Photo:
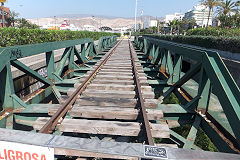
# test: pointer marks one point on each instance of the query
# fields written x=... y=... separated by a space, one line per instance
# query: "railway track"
x=113 y=101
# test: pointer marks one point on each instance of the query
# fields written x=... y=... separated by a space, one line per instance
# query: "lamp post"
x=136 y=15
x=55 y=18
x=3 y=18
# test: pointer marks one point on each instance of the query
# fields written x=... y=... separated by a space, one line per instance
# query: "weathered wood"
x=115 y=73
x=100 y=101
x=89 y=154
x=144 y=82
x=108 y=87
x=123 y=67
x=167 y=145
x=118 y=63
x=112 y=77
x=102 y=81
x=105 y=127
x=111 y=87
x=118 y=70
x=113 y=69
x=148 y=95
x=108 y=112
x=151 y=103
x=120 y=102
x=109 y=93
x=146 y=88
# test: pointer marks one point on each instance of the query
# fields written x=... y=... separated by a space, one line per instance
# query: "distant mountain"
x=79 y=20
x=87 y=15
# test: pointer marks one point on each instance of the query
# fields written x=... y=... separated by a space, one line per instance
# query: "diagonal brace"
x=30 y=72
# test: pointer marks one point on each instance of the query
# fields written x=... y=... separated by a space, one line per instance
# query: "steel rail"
x=54 y=120
x=146 y=124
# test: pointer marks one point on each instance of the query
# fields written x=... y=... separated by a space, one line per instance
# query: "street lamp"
x=136 y=15
x=55 y=18
x=3 y=18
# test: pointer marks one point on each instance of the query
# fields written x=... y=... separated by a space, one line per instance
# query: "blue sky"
x=119 y=8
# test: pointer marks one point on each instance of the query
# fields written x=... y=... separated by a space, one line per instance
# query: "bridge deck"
x=123 y=94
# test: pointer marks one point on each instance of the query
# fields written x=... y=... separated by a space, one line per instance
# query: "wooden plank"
x=167 y=145
x=146 y=88
x=119 y=89
x=108 y=102
x=109 y=93
x=90 y=154
x=105 y=127
x=148 y=95
x=108 y=112
x=111 y=87
x=144 y=82
x=104 y=81
x=123 y=67
x=117 y=69
x=120 y=102
x=117 y=77
x=116 y=73
x=151 y=103
x=119 y=62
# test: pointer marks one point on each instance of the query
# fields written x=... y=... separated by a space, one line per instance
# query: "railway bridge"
x=119 y=99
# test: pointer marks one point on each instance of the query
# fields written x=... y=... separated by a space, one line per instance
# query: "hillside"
x=113 y=22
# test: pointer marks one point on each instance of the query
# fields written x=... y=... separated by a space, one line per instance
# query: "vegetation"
x=202 y=140
x=226 y=7
x=181 y=26
x=210 y=4
x=12 y=36
x=172 y=99
x=12 y=18
x=23 y=23
x=228 y=14
x=175 y=27
x=214 y=31
x=231 y=44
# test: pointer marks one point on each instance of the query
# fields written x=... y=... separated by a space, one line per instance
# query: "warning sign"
x=17 y=151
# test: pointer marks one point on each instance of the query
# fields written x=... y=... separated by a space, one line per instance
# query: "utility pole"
x=136 y=15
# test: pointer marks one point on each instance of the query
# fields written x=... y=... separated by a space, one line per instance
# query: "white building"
x=171 y=17
x=89 y=28
x=153 y=23
x=150 y=23
x=200 y=14
x=121 y=30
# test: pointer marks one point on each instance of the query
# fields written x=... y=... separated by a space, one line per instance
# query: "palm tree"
x=226 y=7
x=12 y=18
x=210 y=4
x=237 y=4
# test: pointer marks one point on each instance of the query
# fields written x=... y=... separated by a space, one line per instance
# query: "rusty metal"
x=223 y=133
x=141 y=100
x=54 y=120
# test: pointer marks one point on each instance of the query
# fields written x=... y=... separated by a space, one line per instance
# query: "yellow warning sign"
x=3 y=1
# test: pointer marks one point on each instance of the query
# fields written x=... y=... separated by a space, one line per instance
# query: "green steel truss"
x=209 y=97
x=78 y=56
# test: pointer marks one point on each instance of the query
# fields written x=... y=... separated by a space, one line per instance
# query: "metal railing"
x=75 y=54
x=213 y=97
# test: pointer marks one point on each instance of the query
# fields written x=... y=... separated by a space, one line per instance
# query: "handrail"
x=214 y=79
x=82 y=49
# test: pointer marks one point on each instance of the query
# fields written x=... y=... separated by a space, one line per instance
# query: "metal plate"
x=155 y=152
